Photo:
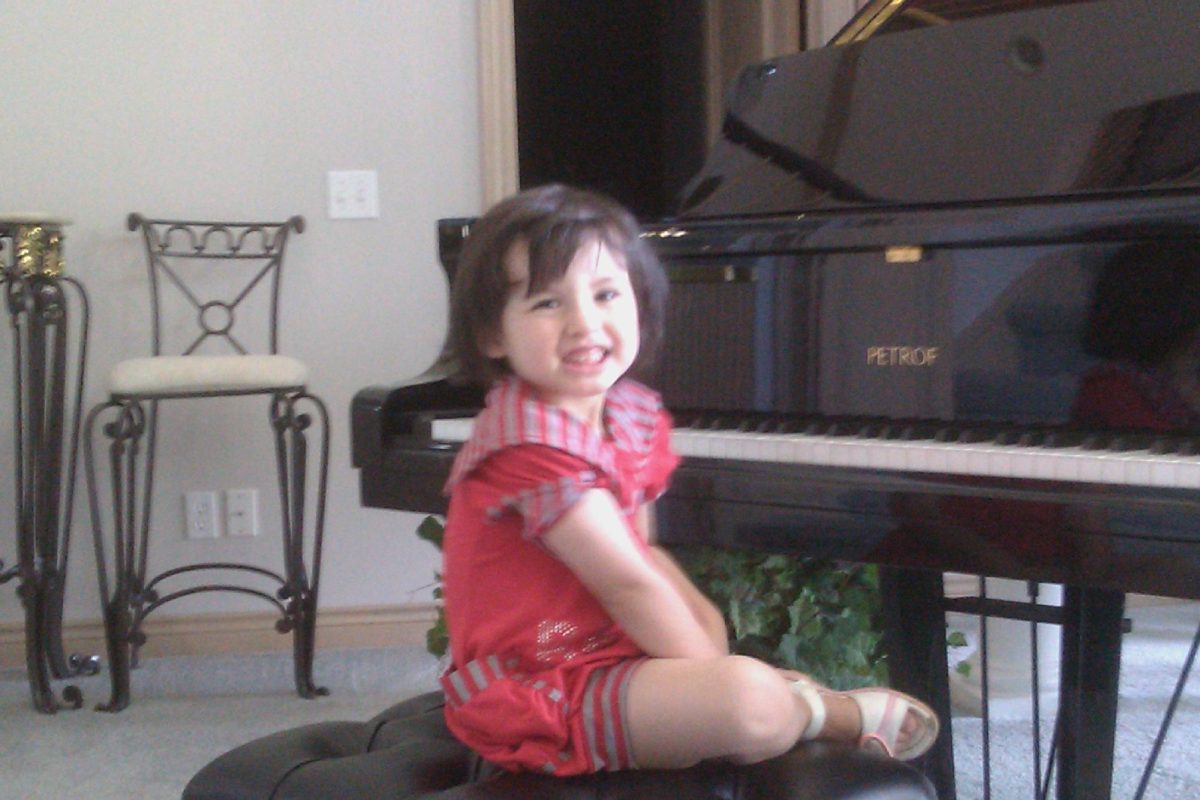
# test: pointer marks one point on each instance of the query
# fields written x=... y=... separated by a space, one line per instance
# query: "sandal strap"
x=816 y=708
x=883 y=712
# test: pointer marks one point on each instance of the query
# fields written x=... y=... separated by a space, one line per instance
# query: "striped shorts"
x=568 y=721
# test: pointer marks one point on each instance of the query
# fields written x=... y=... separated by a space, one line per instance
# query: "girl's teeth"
x=588 y=357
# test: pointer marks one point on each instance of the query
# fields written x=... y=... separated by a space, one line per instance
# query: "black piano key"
x=946 y=434
x=974 y=435
x=1133 y=442
x=1011 y=436
x=1188 y=446
x=1064 y=438
x=1163 y=445
x=1096 y=441
x=872 y=430
x=919 y=431
x=1031 y=439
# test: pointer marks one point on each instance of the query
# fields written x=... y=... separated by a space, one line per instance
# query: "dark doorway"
x=610 y=96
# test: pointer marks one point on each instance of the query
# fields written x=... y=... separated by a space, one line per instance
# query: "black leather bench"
x=407 y=752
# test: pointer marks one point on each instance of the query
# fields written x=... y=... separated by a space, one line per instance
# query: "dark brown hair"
x=554 y=221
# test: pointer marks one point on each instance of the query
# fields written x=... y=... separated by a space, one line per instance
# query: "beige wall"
x=237 y=108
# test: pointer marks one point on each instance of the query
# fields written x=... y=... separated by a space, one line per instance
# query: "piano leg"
x=1091 y=664
x=914 y=640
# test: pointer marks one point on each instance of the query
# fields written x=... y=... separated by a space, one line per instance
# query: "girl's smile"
x=574 y=338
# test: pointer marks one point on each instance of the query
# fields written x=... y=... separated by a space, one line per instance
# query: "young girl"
x=577 y=645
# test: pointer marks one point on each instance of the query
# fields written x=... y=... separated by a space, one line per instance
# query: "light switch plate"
x=353 y=194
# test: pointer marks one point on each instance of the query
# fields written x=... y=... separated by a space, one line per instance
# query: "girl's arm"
x=590 y=540
x=703 y=609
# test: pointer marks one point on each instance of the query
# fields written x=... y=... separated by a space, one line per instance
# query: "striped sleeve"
x=537 y=483
x=661 y=462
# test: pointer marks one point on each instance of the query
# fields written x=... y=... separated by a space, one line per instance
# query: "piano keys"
x=898 y=447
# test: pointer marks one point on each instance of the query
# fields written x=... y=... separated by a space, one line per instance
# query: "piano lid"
x=1079 y=99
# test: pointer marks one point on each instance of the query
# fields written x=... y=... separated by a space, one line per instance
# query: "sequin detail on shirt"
x=558 y=641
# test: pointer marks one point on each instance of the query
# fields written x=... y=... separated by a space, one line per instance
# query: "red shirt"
x=511 y=605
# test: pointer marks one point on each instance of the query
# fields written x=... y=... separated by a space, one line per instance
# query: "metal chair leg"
x=299 y=591
x=120 y=595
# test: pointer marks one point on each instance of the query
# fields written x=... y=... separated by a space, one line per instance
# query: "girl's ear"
x=490 y=345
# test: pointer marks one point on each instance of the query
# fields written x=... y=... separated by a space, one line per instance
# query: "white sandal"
x=883 y=712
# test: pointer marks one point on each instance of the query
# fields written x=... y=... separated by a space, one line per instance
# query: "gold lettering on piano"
x=903 y=254
x=902 y=355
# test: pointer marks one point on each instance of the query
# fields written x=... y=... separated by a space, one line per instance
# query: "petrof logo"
x=903 y=356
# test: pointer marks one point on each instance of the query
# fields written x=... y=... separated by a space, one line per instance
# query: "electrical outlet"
x=200 y=515
x=353 y=194
x=241 y=512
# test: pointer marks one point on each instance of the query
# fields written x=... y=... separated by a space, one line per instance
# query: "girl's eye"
x=606 y=295
x=544 y=303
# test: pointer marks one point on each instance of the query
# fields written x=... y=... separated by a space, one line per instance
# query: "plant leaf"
x=431 y=530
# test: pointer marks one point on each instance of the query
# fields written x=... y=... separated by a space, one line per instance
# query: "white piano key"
x=977 y=460
x=838 y=455
x=1188 y=474
x=877 y=455
x=1066 y=466
x=897 y=456
x=929 y=457
x=1137 y=469
x=999 y=461
x=859 y=452
x=957 y=460
x=1164 y=472
x=1111 y=469
x=1045 y=467
x=796 y=449
x=765 y=448
x=1021 y=463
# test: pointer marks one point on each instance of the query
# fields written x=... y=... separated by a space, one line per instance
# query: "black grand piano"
x=887 y=285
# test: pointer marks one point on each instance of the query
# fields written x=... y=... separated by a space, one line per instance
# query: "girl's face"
x=574 y=339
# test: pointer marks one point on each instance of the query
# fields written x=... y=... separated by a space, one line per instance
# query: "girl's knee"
x=761 y=710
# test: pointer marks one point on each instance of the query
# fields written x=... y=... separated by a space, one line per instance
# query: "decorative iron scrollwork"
x=49 y=348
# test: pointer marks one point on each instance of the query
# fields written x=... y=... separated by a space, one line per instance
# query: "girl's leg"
x=682 y=711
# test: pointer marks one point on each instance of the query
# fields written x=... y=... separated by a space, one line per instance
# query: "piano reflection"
x=904 y=330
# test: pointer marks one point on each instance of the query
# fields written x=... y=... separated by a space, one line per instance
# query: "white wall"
x=236 y=109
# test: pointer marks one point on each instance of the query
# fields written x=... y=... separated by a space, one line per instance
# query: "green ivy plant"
x=437 y=639
x=816 y=616
x=819 y=617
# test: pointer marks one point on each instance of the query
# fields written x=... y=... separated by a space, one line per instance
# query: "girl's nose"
x=583 y=317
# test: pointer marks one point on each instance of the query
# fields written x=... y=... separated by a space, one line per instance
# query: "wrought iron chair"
x=207 y=270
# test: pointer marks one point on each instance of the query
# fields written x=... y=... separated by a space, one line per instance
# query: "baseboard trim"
x=377 y=626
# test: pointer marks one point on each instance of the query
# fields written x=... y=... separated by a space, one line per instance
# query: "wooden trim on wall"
x=213 y=634
x=736 y=34
x=780 y=27
x=497 y=101
x=826 y=17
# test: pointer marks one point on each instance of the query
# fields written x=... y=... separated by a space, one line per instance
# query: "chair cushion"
x=176 y=376
x=407 y=752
